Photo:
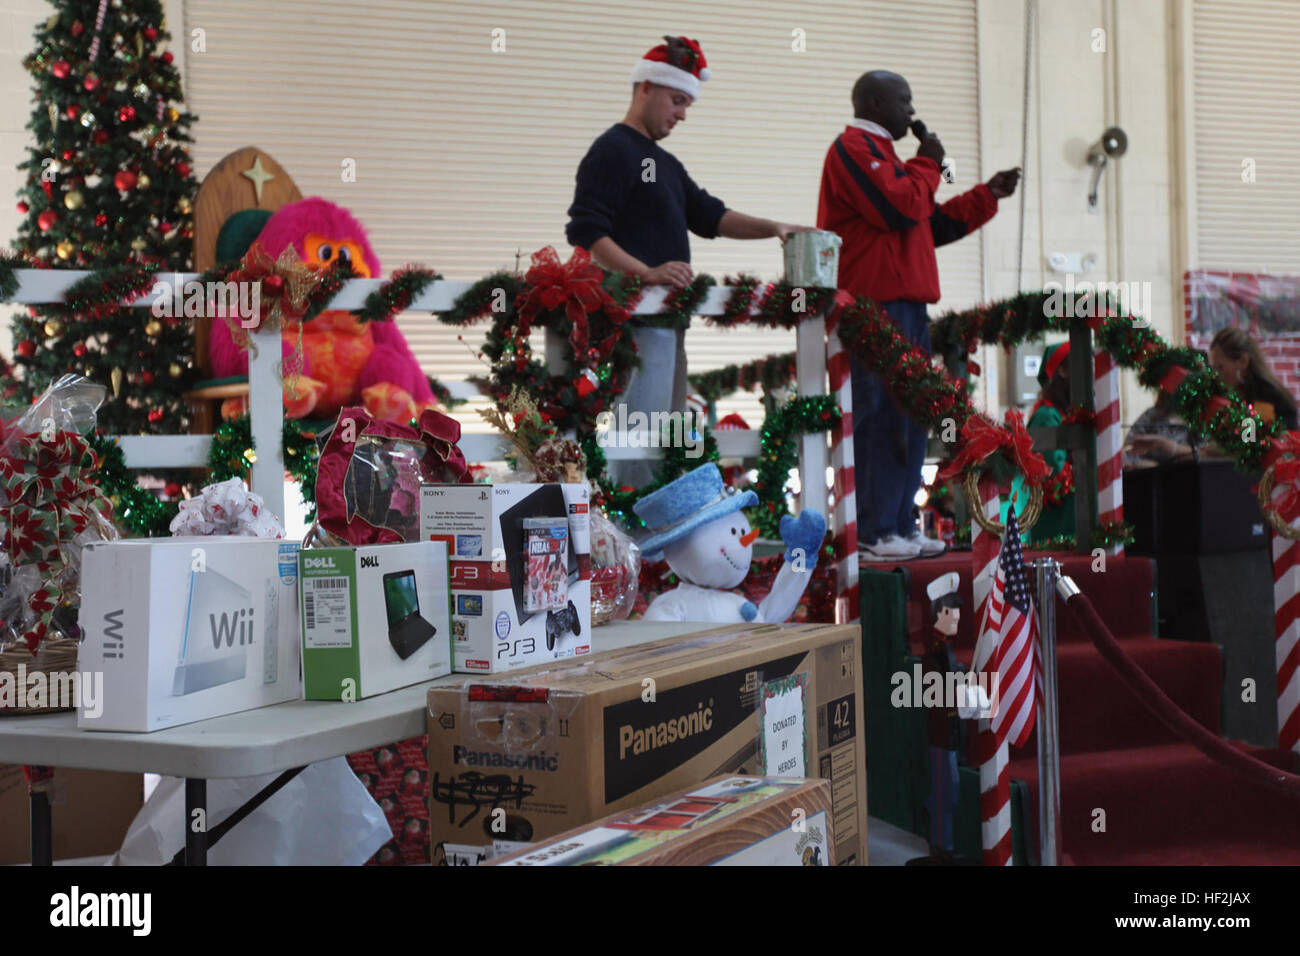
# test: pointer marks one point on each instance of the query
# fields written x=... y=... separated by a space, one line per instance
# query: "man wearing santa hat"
x=634 y=204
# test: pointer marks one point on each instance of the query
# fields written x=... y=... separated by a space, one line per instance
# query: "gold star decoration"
x=258 y=175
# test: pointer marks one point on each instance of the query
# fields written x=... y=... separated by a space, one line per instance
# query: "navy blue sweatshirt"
x=648 y=220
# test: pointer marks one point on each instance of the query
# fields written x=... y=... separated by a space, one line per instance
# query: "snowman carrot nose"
x=748 y=539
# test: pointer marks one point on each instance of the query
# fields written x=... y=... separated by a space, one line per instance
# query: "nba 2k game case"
x=188 y=628
x=559 y=745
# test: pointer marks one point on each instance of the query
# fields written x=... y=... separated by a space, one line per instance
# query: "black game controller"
x=557 y=622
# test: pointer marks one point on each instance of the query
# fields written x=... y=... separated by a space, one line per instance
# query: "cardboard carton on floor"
x=559 y=746
x=187 y=628
x=374 y=618
x=496 y=623
x=90 y=812
x=728 y=821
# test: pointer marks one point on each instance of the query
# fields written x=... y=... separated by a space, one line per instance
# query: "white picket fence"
x=266 y=409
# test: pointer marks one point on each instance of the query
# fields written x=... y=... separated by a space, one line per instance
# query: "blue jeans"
x=945 y=794
x=888 y=445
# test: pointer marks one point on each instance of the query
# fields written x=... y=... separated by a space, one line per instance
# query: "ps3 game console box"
x=521 y=586
x=374 y=618
x=524 y=757
x=188 y=628
x=727 y=821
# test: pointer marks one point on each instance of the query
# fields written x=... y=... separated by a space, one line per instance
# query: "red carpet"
x=1131 y=792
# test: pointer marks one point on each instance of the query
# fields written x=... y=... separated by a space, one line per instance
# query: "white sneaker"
x=890 y=548
x=929 y=546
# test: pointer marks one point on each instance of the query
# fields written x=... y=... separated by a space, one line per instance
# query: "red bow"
x=982 y=438
x=575 y=284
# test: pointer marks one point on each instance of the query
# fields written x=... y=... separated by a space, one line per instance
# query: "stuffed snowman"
x=697 y=526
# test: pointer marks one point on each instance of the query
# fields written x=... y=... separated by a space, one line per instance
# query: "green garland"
x=680 y=305
x=618 y=501
x=9 y=265
x=139 y=511
x=233 y=452
x=396 y=295
x=772 y=372
x=779 y=452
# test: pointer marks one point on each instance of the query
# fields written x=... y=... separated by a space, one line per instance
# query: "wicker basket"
x=56 y=655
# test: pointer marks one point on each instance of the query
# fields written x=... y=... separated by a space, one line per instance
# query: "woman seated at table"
x=1158 y=436
x=1237 y=359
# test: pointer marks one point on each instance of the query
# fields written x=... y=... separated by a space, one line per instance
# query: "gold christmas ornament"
x=250 y=456
x=142 y=182
x=54 y=115
x=65 y=249
x=174 y=370
x=116 y=378
x=138 y=244
x=87 y=119
x=173 y=114
x=183 y=205
x=153 y=328
x=74 y=199
x=53 y=328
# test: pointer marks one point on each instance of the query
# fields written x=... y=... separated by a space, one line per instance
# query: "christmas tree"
x=108 y=184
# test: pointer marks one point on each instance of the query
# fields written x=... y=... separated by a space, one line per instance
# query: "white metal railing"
x=266 y=409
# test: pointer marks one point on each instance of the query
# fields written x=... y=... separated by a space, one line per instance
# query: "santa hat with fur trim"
x=679 y=63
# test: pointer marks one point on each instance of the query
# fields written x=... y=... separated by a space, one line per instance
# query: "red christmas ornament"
x=586 y=383
x=167 y=57
x=26 y=348
x=61 y=69
x=150 y=33
x=47 y=219
x=126 y=113
x=172 y=489
x=72 y=110
x=273 y=286
x=164 y=227
x=146 y=378
x=91 y=82
x=22 y=207
x=67 y=155
x=183 y=169
x=155 y=416
x=76 y=29
x=125 y=180
x=80 y=350
x=100 y=137
x=101 y=220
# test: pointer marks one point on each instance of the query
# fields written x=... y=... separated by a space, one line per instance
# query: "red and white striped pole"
x=847 y=607
x=1286 y=608
x=1110 y=443
x=993 y=758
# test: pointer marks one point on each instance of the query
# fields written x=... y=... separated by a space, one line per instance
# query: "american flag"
x=1008 y=644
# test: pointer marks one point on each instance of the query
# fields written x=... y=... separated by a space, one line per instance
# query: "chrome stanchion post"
x=1049 y=748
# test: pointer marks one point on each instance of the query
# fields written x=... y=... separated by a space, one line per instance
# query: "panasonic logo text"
x=483 y=758
x=644 y=739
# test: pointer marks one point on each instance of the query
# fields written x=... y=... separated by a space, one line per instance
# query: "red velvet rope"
x=1170 y=714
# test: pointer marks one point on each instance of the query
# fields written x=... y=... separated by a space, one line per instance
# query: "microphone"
x=920 y=132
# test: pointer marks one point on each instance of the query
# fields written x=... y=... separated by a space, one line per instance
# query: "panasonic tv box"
x=188 y=628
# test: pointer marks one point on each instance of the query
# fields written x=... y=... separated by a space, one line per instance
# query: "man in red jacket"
x=885 y=211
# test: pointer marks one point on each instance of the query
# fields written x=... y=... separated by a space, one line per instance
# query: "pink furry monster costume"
x=345 y=362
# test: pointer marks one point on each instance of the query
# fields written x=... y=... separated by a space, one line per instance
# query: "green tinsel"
x=779 y=452
x=232 y=445
x=137 y=510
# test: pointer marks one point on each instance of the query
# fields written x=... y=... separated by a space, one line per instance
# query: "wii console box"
x=521 y=594
x=374 y=618
x=188 y=628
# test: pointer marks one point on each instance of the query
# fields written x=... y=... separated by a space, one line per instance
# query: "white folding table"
x=281 y=738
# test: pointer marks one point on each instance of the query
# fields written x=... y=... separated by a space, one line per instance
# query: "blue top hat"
x=681 y=506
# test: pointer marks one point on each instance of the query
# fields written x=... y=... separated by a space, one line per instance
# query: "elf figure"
x=943 y=732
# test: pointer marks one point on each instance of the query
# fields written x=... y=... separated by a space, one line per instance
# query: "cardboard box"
x=728 y=821
x=188 y=628
x=90 y=812
x=562 y=745
x=493 y=628
x=374 y=618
